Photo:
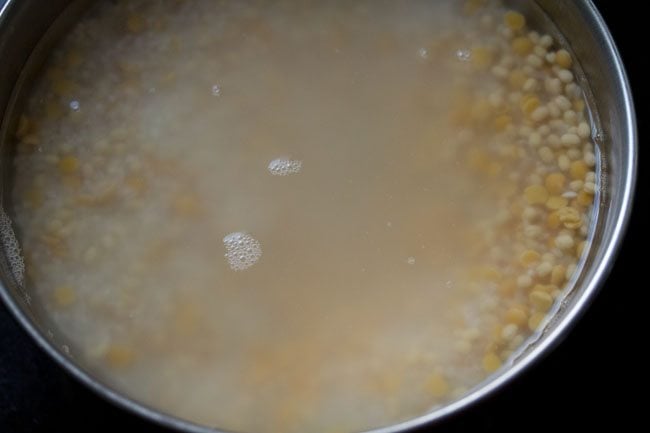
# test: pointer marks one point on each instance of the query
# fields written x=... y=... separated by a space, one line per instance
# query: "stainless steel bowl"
x=23 y=23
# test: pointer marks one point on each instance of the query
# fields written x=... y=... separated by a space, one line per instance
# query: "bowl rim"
x=483 y=390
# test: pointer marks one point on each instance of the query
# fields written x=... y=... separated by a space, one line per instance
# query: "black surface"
x=586 y=383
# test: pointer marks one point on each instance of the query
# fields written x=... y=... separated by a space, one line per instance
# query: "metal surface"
x=24 y=22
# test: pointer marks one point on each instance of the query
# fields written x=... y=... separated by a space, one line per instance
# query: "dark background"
x=586 y=383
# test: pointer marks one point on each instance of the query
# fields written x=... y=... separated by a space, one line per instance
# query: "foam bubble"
x=242 y=250
x=284 y=166
x=11 y=248
x=463 y=55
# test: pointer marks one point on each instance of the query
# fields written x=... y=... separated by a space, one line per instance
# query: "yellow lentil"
x=34 y=197
x=501 y=122
x=522 y=46
x=186 y=205
x=578 y=105
x=578 y=170
x=101 y=199
x=517 y=78
x=536 y=194
x=64 y=296
x=529 y=104
x=556 y=202
x=482 y=57
x=553 y=220
x=490 y=273
x=570 y=217
x=540 y=300
x=136 y=183
x=491 y=362
x=585 y=198
x=481 y=110
x=563 y=59
x=472 y=6
x=535 y=320
x=55 y=244
x=514 y=20
x=555 y=182
x=119 y=356
x=529 y=257
x=186 y=317
x=539 y=114
x=507 y=287
x=558 y=274
x=516 y=315
x=437 y=385
x=548 y=288
x=68 y=165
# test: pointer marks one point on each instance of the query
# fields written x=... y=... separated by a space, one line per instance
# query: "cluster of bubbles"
x=242 y=250
x=11 y=247
x=284 y=166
